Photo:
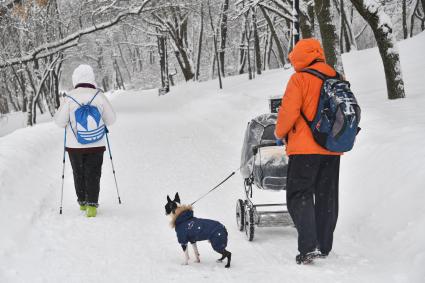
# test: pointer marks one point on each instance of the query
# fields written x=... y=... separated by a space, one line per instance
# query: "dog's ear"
x=168 y=199
x=177 y=198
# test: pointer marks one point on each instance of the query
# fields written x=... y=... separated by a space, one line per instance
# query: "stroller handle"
x=255 y=148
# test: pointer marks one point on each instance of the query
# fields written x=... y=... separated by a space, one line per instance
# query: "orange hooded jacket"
x=302 y=93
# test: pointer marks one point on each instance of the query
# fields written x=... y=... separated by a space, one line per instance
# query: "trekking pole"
x=63 y=170
x=112 y=163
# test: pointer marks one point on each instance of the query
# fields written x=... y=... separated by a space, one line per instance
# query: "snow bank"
x=25 y=154
x=18 y=120
x=382 y=182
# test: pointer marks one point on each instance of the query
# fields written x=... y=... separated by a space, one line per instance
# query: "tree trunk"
x=213 y=61
x=242 y=53
x=307 y=18
x=349 y=30
x=14 y=103
x=343 y=35
x=124 y=62
x=266 y=48
x=31 y=109
x=270 y=50
x=118 y=76
x=423 y=16
x=30 y=114
x=21 y=84
x=162 y=51
x=413 y=16
x=184 y=63
x=223 y=34
x=416 y=14
x=256 y=43
x=248 y=39
x=201 y=34
x=215 y=46
x=282 y=57
x=330 y=39
x=374 y=14
x=404 y=13
x=4 y=107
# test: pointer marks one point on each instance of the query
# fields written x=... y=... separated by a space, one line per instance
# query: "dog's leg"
x=195 y=250
x=228 y=255
x=229 y=258
x=223 y=256
x=186 y=255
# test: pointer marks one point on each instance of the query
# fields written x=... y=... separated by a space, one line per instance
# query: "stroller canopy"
x=269 y=167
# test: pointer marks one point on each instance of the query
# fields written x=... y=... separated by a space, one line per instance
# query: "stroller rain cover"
x=269 y=166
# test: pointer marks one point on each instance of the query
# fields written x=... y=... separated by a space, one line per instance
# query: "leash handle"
x=221 y=183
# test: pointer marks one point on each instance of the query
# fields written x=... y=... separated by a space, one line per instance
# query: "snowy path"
x=186 y=141
x=160 y=145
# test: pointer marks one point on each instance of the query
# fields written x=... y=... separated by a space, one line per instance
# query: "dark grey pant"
x=87 y=169
x=312 y=199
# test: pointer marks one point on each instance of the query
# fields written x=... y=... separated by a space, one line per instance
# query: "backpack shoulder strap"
x=321 y=75
x=315 y=73
x=97 y=92
x=305 y=118
x=79 y=104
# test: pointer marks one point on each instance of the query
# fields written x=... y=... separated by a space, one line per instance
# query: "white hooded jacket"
x=66 y=113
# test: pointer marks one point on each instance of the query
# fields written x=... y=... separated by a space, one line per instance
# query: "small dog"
x=192 y=229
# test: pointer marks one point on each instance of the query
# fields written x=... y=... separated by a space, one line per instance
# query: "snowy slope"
x=187 y=141
x=18 y=120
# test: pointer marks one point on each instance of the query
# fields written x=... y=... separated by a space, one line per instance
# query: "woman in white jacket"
x=86 y=159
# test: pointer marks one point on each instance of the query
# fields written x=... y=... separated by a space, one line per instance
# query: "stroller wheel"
x=240 y=214
x=249 y=223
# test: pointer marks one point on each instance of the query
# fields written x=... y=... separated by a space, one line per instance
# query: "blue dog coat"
x=192 y=229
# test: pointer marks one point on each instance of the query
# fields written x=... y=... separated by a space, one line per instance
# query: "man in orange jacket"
x=313 y=171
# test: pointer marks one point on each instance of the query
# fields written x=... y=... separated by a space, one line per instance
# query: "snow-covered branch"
x=55 y=46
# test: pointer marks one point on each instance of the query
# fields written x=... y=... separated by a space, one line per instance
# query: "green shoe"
x=91 y=211
x=83 y=207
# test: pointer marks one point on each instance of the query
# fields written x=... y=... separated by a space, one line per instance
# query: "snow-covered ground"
x=189 y=140
x=17 y=120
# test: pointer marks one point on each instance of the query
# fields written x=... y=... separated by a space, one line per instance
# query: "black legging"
x=87 y=169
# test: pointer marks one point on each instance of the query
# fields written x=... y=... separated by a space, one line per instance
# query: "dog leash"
x=217 y=186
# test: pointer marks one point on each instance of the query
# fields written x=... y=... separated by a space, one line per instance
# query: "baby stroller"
x=263 y=164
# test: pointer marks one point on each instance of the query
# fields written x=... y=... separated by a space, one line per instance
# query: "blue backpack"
x=89 y=124
x=336 y=123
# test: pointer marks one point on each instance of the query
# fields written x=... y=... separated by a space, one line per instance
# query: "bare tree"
x=215 y=44
x=404 y=19
x=307 y=18
x=373 y=12
x=419 y=13
x=330 y=37
x=223 y=34
x=201 y=34
x=282 y=56
x=256 y=42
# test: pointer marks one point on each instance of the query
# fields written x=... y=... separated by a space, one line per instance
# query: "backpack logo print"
x=86 y=113
x=90 y=126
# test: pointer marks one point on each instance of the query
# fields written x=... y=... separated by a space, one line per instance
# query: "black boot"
x=306 y=258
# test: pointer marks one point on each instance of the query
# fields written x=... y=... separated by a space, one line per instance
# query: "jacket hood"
x=83 y=74
x=305 y=52
x=181 y=214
